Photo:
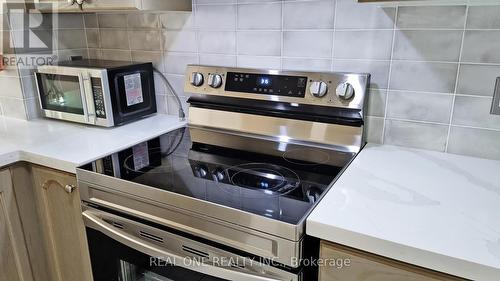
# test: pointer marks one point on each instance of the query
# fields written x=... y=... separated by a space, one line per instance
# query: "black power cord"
x=182 y=115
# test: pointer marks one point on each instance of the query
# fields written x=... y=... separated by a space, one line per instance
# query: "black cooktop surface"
x=278 y=187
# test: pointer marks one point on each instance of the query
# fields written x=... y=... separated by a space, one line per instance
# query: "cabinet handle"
x=69 y=188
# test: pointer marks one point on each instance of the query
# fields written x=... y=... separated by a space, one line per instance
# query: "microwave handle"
x=95 y=222
x=87 y=97
x=84 y=98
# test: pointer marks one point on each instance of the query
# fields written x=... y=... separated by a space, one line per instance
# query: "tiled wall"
x=433 y=68
x=11 y=95
x=17 y=85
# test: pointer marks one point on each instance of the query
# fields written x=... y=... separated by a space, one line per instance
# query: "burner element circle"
x=265 y=179
x=262 y=179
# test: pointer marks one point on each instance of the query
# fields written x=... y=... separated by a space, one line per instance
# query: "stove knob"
x=215 y=80
x=201 y=171
x=218 y=175
x=345 y=91
x=318 y=89
x=196 y=79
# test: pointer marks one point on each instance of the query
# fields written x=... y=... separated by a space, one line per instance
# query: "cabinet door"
x=354 y=265
x=62 y=225
x=14 y=262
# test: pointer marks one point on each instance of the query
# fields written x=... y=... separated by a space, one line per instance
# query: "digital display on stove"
x=280 y=85
x=264 y=81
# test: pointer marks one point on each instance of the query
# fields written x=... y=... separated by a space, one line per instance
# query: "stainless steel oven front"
x=124 y=248
x=220 y=189
x=75 y=94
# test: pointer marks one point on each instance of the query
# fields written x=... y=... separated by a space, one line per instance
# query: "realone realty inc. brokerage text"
x=337 y=263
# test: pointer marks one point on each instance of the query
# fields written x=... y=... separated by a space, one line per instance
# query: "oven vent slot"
x=115 y=224
x=195 y=252
x=118 y=225
x=150 y=236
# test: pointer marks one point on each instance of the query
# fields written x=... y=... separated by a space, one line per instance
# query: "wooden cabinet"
x=62 y=6
x=354 y=265
x=60 y=217
x=51 y=245
x=14 y=262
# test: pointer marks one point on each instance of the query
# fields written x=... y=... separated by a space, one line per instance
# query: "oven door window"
x=60 y=93
x=113 y=261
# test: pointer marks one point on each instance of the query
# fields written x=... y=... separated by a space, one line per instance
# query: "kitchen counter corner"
x=431 y=209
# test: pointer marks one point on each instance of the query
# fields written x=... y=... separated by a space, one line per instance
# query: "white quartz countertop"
x=436 y=210
x=65 y=146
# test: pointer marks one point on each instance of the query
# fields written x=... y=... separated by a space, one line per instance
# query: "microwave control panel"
x=100 y=109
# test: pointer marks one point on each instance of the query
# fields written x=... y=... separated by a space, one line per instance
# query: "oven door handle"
x=93 y=221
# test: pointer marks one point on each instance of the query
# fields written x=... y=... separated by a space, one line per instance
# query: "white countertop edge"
x=59 y=163
x=41 y=160
x=118 y=148
x=404 y=253
x=10 y=158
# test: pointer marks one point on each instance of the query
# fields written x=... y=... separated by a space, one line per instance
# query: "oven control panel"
x=327 y=89
x=266 y=84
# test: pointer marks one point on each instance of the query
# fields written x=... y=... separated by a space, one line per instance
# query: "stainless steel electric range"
x=226 y=198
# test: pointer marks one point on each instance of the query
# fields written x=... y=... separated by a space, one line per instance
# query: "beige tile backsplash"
x=433 y=67
x=363 y=44
x=409 y=106
x=17 y=94
x=413 y=134
x=474 y=112
x=427 y=45
x=477 y=79
x=474 y=142
x=436 y=17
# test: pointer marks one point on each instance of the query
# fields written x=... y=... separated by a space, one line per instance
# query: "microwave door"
x=62 y=96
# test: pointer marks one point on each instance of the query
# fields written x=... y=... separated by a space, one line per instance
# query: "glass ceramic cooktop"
x=278 y=187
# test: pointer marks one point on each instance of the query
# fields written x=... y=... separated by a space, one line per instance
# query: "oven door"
x=123 y=249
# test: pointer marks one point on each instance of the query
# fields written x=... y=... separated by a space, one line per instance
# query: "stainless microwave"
x=96 y=92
